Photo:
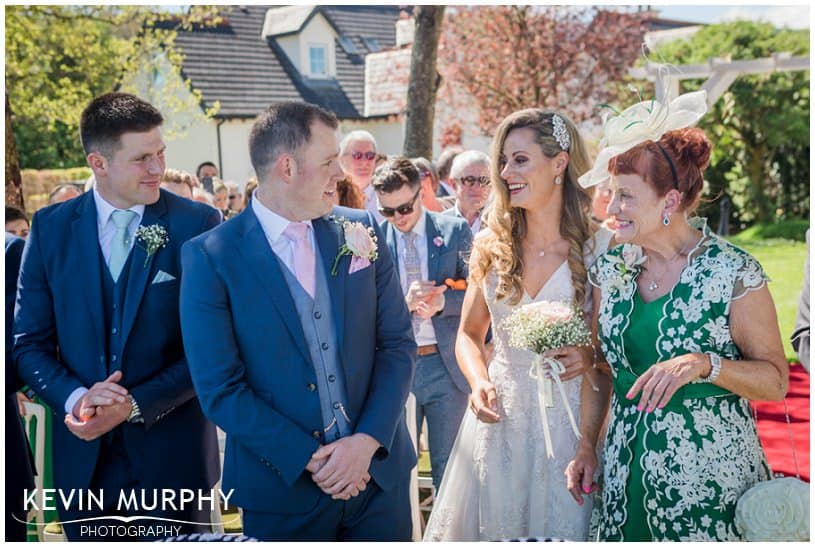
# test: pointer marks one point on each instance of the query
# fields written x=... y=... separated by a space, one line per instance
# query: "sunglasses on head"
x=471 y=180
x=367 y=155
x=404 y=209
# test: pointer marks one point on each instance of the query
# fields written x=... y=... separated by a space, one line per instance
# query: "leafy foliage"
x=512 y=57
x=59 y=57
x=760 y=126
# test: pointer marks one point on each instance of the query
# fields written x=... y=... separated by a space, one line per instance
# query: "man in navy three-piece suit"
x=97 y=330
x=300 y=346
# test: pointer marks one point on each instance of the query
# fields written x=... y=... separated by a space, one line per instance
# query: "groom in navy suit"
x=97 y=331
x=300 y=351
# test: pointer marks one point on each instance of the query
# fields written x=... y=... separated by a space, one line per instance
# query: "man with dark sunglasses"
x=358 y=160
x=470 y=176
x=428 y=248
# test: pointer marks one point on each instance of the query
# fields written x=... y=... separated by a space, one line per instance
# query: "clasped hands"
x=340 y=469
x=425 y=298
x=102 y=408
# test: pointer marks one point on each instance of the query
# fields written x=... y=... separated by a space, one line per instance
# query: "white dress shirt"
x=426 y=334
x=273 y=226
x=106 y=229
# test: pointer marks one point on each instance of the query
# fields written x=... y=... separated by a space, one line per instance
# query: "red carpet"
x=772 y=426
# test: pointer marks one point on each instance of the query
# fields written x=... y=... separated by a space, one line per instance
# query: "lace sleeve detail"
x=750 y=276
x=602 y=269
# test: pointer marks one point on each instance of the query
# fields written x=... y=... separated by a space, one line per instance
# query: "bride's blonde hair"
x=500 y=246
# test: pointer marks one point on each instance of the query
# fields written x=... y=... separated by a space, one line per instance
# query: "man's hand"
x=105 y=419
x=105 y=393
x=422 y=291
x=433 y=304
x=345 y=473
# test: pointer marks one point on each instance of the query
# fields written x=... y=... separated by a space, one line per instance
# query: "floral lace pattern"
x=499 y=482
x=697 y=457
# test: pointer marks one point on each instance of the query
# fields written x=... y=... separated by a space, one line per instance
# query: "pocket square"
x=162 y=277
x=358 y=263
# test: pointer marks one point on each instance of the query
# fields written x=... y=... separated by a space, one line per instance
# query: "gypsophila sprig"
x=152 y=238
x=543 y=326
x=360 y=241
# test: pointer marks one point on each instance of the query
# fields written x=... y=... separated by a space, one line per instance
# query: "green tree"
x=760 y=126
x=59 y=57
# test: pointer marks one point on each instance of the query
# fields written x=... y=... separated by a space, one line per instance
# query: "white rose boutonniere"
x=776 y=510
x=152 y=238
x=627 y=266
x=360 y=243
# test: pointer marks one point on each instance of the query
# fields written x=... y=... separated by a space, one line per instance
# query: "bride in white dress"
x=499 y=482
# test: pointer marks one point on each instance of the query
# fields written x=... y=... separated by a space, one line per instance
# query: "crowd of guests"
x=470 y=238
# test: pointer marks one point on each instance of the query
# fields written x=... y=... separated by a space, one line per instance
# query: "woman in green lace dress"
x=688 y=328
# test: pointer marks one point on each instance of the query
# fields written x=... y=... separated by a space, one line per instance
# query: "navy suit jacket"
x=448 y=260
x=253 y=372
x=60 y=341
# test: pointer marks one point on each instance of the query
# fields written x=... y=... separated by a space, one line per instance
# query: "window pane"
x=317 y=60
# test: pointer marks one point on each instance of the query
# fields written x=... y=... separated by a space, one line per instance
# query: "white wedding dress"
x=499 y=482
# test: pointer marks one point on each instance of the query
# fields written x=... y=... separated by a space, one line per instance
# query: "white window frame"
x=312 y=73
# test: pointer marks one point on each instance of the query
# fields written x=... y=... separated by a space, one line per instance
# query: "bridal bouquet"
x=540 y=327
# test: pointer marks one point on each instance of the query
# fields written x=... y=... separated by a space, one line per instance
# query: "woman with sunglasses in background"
x=503 y=479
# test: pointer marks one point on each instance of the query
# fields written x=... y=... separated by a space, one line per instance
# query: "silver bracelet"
x=715 y=368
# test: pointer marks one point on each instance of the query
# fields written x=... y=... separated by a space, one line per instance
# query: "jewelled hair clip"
x=560 y=132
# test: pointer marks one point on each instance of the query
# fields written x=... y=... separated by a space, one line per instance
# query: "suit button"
x=113 y=359
x=336 y=405
x=115 y=306
x=332 y=378
x=114 y=330
x=315 y=434
x=317 y=315
x=311 y=387
x=325 y=346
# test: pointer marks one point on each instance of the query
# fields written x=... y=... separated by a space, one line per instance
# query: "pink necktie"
x=297 y=233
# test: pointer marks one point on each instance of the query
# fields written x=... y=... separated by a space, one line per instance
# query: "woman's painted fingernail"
x=640 y=407
x=650 y=409
x=629 y=395
x=586 y=489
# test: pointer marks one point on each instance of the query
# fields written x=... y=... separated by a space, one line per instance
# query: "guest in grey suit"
x=428 y=248
x=470 y=174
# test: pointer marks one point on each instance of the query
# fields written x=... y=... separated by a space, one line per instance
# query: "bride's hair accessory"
x=560 y=132
x=644 y=121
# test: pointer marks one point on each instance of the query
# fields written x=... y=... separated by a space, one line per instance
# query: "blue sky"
x=793 y=16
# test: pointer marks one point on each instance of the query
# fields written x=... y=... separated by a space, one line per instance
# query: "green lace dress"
x=675 y=474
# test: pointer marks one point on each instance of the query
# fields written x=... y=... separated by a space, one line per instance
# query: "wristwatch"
x=135 y=412
x=715 y=368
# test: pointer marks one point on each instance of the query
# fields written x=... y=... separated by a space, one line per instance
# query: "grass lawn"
x=783 y=260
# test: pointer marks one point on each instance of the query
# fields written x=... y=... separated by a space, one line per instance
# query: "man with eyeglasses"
x=428 y=248
x=358 y=160
x=470 y=176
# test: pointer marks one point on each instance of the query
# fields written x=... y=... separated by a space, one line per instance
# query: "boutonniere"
x=360 y=243
x=438 y=241
x=627 y=266
x=152 y=238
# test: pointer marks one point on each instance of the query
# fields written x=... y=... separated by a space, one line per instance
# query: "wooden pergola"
x=720 y=73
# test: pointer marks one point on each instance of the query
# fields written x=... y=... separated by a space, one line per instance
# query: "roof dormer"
x=306 y=37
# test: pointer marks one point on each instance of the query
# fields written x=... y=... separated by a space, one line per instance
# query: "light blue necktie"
x=120 y=247
x=413 y=272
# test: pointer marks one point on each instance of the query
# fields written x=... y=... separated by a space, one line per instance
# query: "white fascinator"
x=644 y=121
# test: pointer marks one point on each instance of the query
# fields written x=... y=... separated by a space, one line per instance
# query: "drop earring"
x=666 y=219
x=558 y=180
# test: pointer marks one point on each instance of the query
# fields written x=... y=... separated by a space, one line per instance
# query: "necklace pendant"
x=653 y=285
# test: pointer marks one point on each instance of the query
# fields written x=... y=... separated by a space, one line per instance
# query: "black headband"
x=671 y=164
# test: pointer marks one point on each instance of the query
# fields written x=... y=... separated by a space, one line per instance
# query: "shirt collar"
x=105 y=209
x=272 y=223
x=421 y=227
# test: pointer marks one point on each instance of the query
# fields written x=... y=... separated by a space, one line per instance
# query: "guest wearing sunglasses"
x=470 y=176
x=358 y=161
x=428 y=248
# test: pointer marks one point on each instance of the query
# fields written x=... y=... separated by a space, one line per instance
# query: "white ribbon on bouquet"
x=542 y=369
